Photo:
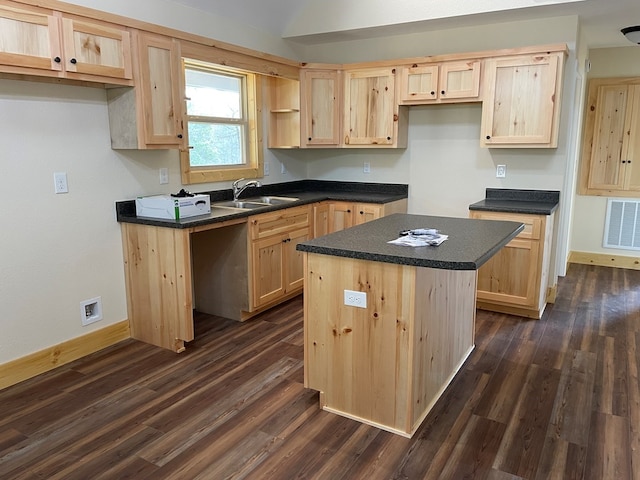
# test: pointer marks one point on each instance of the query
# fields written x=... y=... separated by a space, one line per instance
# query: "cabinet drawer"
x=281 y=221
x=532 y=223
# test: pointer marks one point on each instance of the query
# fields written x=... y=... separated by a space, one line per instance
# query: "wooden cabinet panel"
x=611 y=148
x=340 y=216
x=29 y=38
x=365 y=212
x=371 y=112
x=41 y=42
x=96 y=49
x=283 y=100
x=522 y=101
x=321 y=92
x=440 y=83
x=275 y=265
x=515 y=279
x=321 y=224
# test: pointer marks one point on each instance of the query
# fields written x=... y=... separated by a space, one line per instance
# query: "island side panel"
x=445 y=310
x=359 y=358
x=158 y=279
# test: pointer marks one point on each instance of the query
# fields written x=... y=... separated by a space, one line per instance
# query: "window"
x=222 y=124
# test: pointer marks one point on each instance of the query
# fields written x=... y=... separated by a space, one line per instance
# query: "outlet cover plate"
x=355 y=299
x=501 y=171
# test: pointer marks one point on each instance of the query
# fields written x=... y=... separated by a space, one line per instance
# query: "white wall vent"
x=622 y=224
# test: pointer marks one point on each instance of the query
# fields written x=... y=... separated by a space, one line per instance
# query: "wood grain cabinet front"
x=611 y=147
x=515 y=280
x=333 y=216
x=372 y=116
x=45 y=43
x=149 y=116
x=521 y=101
x=275 y=266
x=447 y=82
x=321 y=101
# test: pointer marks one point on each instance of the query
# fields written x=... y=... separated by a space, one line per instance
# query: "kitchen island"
x=386 y=360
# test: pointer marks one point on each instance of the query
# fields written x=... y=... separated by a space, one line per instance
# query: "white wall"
x=589 y=211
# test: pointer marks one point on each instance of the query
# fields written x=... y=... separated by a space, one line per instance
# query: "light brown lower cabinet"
x=333 y=216
x=275 y=266
x=515 y=280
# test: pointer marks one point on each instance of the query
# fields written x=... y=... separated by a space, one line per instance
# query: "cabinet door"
x=267 y=273
x=418 y=84
x=631 y=150
x=159 y=84
x=521 y=101
x=365 y=212
x=371 y=114
x=96 y=49
x=294 y=260
x=320 y=109
x=459 y=80
x=511 y=275
x=321 y=224
x=29 y=38
x=340 y=216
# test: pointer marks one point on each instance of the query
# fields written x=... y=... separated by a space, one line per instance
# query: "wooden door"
x=459 y=80
x=160 y=86
x=370 y=116
x=96 y=49
x=321 y=225
x=520 y=101
x=418 y=84
x=29 y=38
x=294 y=260
x=320 y=91
x=512 y=275
x=267 y=273
x=340 y=216
x=365 y=212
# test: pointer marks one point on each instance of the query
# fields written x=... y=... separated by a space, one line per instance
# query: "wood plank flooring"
x=554 y=398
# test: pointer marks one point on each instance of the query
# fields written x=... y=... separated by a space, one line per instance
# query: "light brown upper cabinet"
x=521 y=101
x=611 y=146
x=149 y=116
x=39 y=42
x=283 y=100
x=446 y=82
x=372 y=116
x=320 y=112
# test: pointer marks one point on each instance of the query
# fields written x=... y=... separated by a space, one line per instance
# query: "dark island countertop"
x=537 y=202
x=470 y=244
x=306 y=191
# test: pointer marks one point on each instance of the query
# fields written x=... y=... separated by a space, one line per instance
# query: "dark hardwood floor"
x=554 y=398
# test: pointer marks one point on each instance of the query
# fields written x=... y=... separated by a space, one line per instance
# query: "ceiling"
x=323 y=21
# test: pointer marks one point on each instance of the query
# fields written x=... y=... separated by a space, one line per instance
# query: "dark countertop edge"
x=311 y=191
x=536 y=202
x=410 y=261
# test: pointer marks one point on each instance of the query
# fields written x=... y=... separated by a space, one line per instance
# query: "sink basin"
x=240 y=204
x=224 y=211
x=270 y=200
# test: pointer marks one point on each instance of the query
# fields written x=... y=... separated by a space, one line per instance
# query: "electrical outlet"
x=366 y=168
x=355 y=299
x=91 y=311
x=266 y=169
x=164 y=176
x=60 y=182
x=501 y=171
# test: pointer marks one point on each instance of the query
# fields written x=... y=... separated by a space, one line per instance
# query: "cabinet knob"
x=74 y=61
x=442 y=92
x=57 y=59
x=348 y=211
x=624 y=161
x=388 y=138
x=432 y=92
x=361 y=212
x=309 y=138
x=179 y=135
x=488 y=137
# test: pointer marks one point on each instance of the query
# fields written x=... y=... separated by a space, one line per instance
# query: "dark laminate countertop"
x=470 y=244
x=538 y=202
x=306 y=191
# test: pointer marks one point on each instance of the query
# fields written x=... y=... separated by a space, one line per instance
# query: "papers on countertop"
x=420 y=237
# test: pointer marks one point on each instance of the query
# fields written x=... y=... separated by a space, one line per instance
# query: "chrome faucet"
x=237 y=189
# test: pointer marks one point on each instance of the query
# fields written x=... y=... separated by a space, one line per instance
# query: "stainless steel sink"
x=271 y=200
x=224 y=211
x=240 y=204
